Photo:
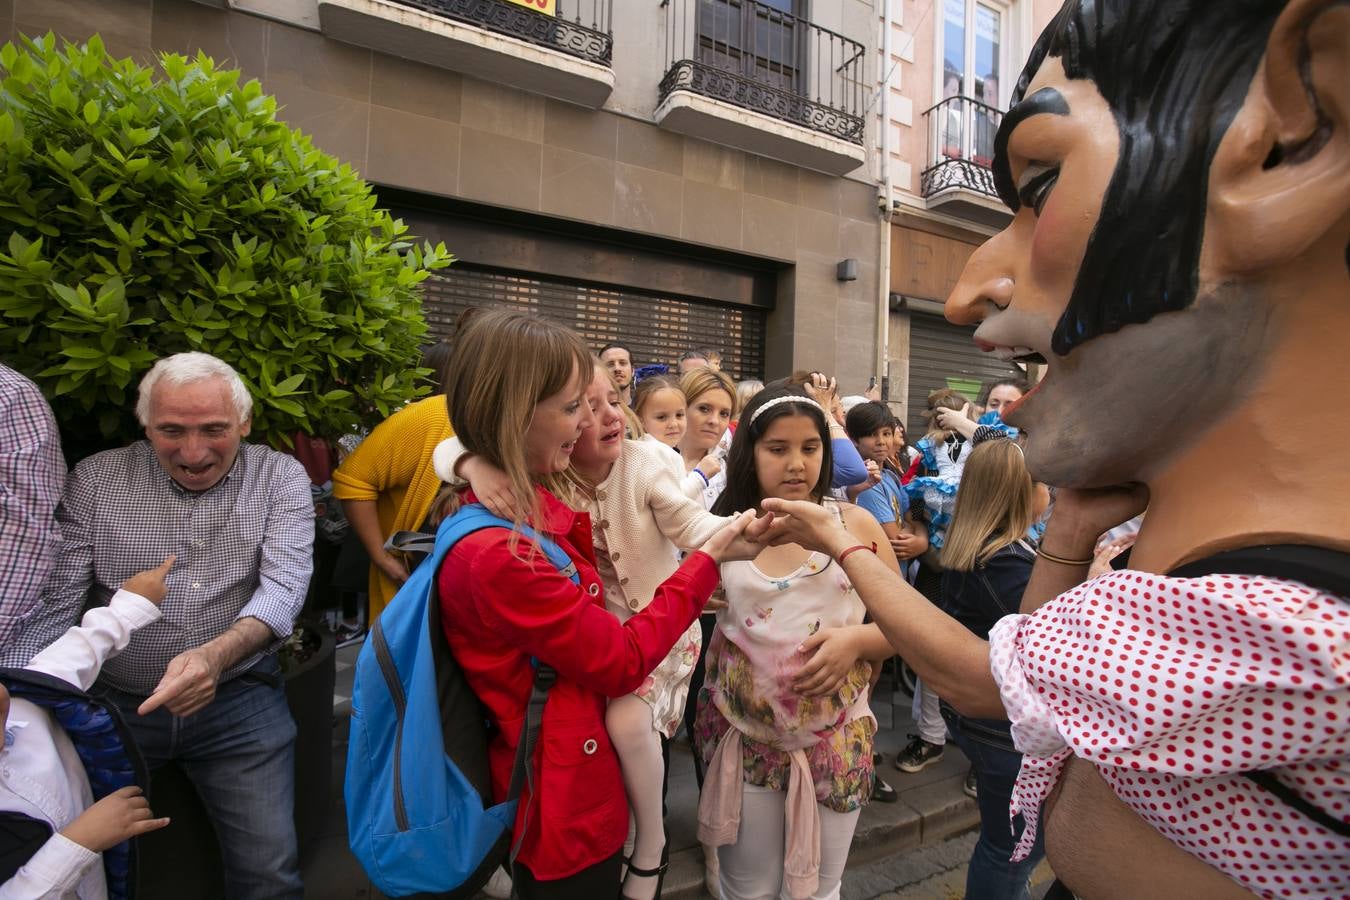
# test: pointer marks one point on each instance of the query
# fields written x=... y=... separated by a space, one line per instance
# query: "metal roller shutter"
x=656 y=329
x=939 y=350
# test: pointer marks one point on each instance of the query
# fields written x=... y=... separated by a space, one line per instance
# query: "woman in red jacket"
x=516 y=396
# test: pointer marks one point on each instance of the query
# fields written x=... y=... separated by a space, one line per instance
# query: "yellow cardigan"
x=393 y=467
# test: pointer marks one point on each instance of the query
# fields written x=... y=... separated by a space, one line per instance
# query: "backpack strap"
x=475 y=517
x=522 y=773
x=1318 y=567
x=411 y=542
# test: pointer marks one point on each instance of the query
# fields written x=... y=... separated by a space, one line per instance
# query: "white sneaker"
x=712 y=873
x=499 y=885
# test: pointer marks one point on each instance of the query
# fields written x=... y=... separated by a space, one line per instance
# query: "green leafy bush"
x=144 y=213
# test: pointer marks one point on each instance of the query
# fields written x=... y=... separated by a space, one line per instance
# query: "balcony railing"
x=961 y=147
x=763 y=59
x=580 y=28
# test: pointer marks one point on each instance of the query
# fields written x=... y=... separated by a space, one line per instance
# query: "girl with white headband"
x=783 y=722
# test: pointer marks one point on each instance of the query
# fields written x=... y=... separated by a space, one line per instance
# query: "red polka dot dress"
x=1173 y=687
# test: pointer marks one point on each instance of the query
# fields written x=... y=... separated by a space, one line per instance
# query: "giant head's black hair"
x=1174 y=73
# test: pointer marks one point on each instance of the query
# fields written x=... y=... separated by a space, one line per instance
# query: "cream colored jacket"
x=640 y=509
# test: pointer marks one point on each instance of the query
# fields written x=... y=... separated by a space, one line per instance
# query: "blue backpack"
x=418 y=789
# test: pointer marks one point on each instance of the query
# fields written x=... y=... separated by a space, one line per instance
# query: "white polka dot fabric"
x=1172 y=687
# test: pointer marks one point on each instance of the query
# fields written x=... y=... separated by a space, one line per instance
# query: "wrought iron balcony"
x=961 y=147
x=757 y=57
x=566 y=55
x=582 y=28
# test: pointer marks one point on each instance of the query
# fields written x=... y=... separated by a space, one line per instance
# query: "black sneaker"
x=917 y=755
x=882 y=791
x=969 y=787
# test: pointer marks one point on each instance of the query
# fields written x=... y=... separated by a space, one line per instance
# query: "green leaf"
x=290 y=385
x=288 y=406
x=146 y=211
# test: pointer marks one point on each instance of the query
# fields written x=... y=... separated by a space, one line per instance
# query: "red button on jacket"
x=501 y=608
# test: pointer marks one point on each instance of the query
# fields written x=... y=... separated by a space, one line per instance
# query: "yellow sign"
x=547 y=7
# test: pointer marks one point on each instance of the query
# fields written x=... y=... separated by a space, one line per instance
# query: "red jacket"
x=498 y=610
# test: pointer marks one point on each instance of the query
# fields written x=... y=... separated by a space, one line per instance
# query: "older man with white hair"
x=201 y=686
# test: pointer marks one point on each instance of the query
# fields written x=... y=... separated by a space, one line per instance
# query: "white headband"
x=788 y=398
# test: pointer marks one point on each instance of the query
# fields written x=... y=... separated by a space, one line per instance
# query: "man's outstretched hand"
x=802 y=522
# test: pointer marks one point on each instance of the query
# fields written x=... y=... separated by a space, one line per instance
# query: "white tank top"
x=765 y=621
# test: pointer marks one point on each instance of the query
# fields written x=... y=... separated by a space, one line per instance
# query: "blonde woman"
x=640 y=520
x=987 y=561
x=519 y=403
x=710 y=398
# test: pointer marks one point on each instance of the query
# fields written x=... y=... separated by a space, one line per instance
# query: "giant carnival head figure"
x=1179 y=174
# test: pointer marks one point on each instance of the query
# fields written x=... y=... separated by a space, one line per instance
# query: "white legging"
x=629 y=723
x=927 y=712
x=752 y=868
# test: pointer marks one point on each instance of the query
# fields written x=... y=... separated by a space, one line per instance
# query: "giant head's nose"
x=986 y=284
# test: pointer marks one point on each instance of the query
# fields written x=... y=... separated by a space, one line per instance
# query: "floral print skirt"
x=667 y=687
x=840 y=762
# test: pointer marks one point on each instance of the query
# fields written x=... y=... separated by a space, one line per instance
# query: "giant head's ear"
x=1279 y=185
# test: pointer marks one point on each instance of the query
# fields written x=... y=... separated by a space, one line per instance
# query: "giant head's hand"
x=808 y=524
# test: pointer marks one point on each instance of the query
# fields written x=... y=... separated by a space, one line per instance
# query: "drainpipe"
x=882 y=366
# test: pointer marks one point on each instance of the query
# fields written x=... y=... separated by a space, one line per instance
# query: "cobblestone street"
x=931 y=872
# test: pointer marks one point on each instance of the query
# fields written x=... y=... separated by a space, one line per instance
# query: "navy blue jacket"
x=979 y=598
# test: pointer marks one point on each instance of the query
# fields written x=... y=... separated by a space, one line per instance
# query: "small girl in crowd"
x=660 y=405
x=745 y=392
x=640 y=519
x=784 y=725
x=943 y=452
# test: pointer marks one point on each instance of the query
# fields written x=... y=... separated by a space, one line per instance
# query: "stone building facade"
x=672 y=174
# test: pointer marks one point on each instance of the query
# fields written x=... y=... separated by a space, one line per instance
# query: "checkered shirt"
x=32 y=471
x=244 y=549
